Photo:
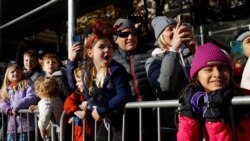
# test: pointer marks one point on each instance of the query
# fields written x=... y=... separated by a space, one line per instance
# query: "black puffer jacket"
x=134 y=62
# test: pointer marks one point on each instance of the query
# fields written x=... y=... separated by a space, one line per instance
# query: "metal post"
x=1 y=21
x=71 y=23
x=201 y=34
x=28 y=14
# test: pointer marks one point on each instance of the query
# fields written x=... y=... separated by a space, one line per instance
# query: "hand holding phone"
x=77 y=39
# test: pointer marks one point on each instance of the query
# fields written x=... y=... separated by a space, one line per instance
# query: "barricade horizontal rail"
x=237 y=100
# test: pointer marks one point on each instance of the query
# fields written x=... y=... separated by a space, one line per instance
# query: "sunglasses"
x=126 y=34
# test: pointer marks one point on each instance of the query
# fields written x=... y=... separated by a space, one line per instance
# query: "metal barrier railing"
x=237 y=100
x=60 y=130
x=25 y=113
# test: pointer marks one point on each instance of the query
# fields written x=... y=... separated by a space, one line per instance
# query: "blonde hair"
x=22 y=83
x=79 y=71
x=46 y=87
x=161 y=41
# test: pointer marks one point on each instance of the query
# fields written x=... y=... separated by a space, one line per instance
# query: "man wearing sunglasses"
x=133 y=57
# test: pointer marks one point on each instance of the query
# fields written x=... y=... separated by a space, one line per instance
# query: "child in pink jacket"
x=206 y=101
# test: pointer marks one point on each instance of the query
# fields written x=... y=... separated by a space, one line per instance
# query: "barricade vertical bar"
x=232 y=121
x=28 y=122
x=62 y=125
x=140 y=124
x=21 y=121
x=15 y=135
x=52 y=131
x=3 y=126
x=109 y=131
x=95 y=129
x=83 y=128
x=159 y=124
x=123 y=124
x=72 y=129
x=36 y=127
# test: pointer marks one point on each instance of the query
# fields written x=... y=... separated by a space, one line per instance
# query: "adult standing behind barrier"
x=168 y=67
x=206 y=101
x=132 y=56
x=76 y=57
x=50 y=105
x=17 y=92
x=76 y=107
x=105 y=83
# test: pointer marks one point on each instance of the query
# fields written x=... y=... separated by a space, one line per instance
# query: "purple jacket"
x=20 y=99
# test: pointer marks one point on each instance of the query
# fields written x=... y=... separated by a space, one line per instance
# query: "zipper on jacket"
x=132 y=70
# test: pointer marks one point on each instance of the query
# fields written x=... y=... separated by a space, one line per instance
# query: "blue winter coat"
x=115 y=94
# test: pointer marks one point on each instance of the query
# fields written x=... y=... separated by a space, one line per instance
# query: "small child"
x=17 y=93
x=31 y=65
x=76 y=106
x=106 y=82
x=50 y=106
x=51 y=67
x=206 y=100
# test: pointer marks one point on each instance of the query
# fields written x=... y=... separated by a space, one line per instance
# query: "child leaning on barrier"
x=52 y=67
x=206 y=101
x=106 y=83
x=76 y=105
x=50 y=106
x=17 y=93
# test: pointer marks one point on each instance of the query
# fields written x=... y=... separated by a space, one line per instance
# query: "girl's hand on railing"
x=44 y=133
x=32 y=108
x=95 y=114
x=70 y=121
x=84 y=105
x=80 y=114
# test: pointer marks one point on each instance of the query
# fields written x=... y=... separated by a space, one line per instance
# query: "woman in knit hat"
x=168 y=67
x=206 y=100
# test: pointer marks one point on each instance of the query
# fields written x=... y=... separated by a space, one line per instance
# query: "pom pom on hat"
x=208 y=55
x=159 y=23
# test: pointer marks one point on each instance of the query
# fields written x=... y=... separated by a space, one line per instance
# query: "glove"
x=216 y=105
x=191 y=104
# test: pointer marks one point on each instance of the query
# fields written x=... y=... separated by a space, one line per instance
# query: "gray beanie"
x=123 y=23
x=159 y=23
x=242 y=36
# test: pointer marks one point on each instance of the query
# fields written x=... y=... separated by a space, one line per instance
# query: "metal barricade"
x=237 y=100
x=25 y=113
x=60 y=130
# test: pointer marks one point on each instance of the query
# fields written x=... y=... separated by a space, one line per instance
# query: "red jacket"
x=71 y=105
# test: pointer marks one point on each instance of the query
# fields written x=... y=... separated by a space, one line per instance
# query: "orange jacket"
x=71 y=105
